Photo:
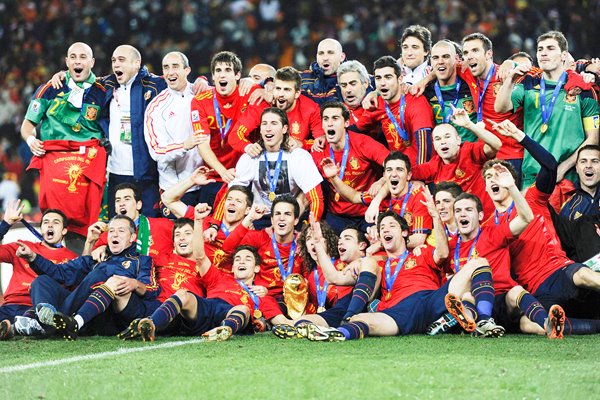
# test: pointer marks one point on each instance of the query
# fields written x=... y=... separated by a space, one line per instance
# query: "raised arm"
x=203 y=264
x=441 y=245
x=503 y=99
x=492 y=142
x=172 y=196
x=525 y=215
x=331 y=173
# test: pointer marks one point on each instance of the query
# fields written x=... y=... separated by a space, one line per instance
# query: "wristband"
x=30 y=139
x=214 y=226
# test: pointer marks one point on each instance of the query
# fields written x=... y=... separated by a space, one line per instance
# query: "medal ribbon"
x=389 y=278
x=252 y=295
x=457 y=251
x=401 y=132
x=405 y=201
x=547 y=109
x=321 y=290
x=224 y=229
x=222 y=131
x=344 y=156
x=507 y=212
x=273 y=182
x=438 y=93
x=36 y=233
x=285 y=272
x=481 y=93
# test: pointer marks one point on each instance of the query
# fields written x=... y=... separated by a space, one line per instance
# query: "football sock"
x=532 y=308
x=355 y=330
x=575 y=326
x=482 y=288
x=96 y=304
x=167 y=311
x=236 y=320
x=471 y=307
x=360 y=295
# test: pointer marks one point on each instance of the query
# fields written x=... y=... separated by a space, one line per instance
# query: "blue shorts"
x=10 y=311
x=209 y=314
x=334 y=315
x=137 y=307
x=416 y=312
x=501 y=315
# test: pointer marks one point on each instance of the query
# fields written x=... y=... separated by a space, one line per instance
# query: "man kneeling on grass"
x=231 y=299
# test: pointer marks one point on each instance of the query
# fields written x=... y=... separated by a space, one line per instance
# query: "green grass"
x=416 y=367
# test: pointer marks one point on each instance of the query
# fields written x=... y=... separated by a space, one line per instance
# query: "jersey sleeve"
x=248 y=122
x=589 y=112
x=157 y=138
x=372 y=149
x=307 y=175
x=245 y=170
x=422 y=221
x=475 y=150
x=147 y=275
x=517 y=96
x=423 y=172
x=39 y=104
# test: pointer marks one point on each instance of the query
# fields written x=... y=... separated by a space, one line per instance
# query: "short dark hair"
x=289 y=74
x=336 y=104
x=451 y=187
x=521 y=54
x=243 y=189
x=563 y=44
x=490 y=164
x=487 y=43
x=287 y=198
x=396 y=155
x=360 y=235
x=284 y=121
x=251 y=249
x=470 y=196
x=180 y=223
x=62 y=215
x=588 y=147
x=128 y=185
x=387 y=61
x=226 y=57
x=419 y=32
x=397 y=217
x=132 y=227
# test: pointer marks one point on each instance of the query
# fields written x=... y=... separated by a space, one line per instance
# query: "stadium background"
x=34 y=36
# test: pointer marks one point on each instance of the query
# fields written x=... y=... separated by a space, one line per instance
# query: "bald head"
x=443 y=62
x=260 y=72
x=444 y=45
x=80 y=61
x=126 y=62
x=330 y=55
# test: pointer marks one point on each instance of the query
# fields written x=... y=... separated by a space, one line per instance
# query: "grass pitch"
x=265 y=367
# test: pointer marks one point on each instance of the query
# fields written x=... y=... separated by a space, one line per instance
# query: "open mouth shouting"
x=50 y=234
x=495 y=188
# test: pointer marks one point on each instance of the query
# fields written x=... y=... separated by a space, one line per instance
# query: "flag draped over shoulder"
x=72 y=178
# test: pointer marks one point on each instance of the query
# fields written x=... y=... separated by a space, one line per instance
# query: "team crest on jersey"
x=295 y=128
x=475 y=254
x=92 y=153
x=410 y=263
x=354 y=164
x=434 y=98
x=195 y=116
x=126 y=264
x=218 y=257
x=459 y=173
x=570 y=98
x=91 y=113
x=409 y=218
x=178 y=280
x=147 y=95
x=497 y=87
x=469 y=106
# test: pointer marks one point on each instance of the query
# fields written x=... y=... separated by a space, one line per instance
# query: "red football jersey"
x=269 y=275
x=415 y=212
x=204 y=119
x=17 y=291
x=213 y=250
x=223 y=286
x=417 y=115
x=161 y=236
x=536 y=253
x=304 y=123
x=174 y=272
x=510 y=149
x=334 y=293
x=492 y=244
x=364 y=166
x=465 y=171
x=417 y=273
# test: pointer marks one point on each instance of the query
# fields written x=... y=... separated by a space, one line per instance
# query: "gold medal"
x=388 y=296
x=272 y=196
x=337 y=197
x=544 y=127
x=320 y=309
x=76 y=127
x=257 y=313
